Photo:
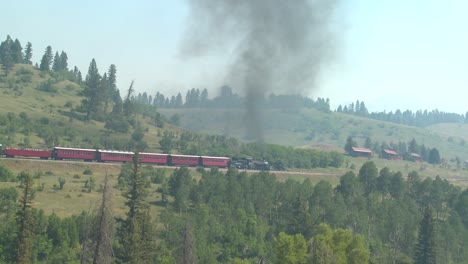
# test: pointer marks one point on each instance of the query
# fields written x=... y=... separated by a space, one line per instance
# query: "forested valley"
x=376 y=216
x=212 y=216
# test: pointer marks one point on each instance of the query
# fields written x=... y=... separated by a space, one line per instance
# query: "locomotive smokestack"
x=278 y=46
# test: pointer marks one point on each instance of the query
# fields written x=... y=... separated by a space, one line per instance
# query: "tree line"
x=194 y=98
x=374 y=216
x=420 y=118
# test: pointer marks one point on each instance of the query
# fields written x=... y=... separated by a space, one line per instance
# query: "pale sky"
x=406 y=54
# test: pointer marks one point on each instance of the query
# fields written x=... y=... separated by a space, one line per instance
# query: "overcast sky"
x=391 y=54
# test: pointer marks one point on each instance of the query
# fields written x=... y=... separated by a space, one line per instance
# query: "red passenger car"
x=74 y=153
x=26 y=152
x=187 y=160
x=111 y=155
x=222 y=162
x=154 y=158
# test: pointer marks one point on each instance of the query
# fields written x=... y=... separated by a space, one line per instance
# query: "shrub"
x=88 y=171
x=47 y=86
x=44 y=120
x=6 y=175
x=76 y=176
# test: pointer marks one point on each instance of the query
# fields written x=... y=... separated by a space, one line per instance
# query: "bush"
x=44 y=120
x=6 y=175
x=158 y=176
x=76 y=176
x=47 y=86
x=88 y=171
x=23 y=71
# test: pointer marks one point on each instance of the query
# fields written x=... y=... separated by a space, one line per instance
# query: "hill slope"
x=312 y=128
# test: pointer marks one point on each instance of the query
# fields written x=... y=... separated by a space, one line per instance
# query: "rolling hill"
x=57 y=112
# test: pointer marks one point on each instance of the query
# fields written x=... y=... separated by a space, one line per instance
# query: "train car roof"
x=211 y=157
x=187 y=156
x=149 y=153
x=115 y=151
x=26 y=149
x=74 y=149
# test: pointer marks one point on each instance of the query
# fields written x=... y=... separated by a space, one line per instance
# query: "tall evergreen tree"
x=28 y=53
x=25 y=220
x=56 y=65
x=434 y=156
x=350 y=143
x=46 y=60
x=92 y=92
x=426 y=248
x=178 y=102
x=63 y=61
x=6 y=57
x=17 y=51
x=135 y=232
x=128 y=105
x=204 y=97
x=104 y=227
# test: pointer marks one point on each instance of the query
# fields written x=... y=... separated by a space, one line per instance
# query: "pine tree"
x=434 y=156
x=92 y=92
x=56 y=65
x=28 y=53
x=17 y=51
x=63 y=61
x=112 y=86
x=6 y=57
x=25 y=220
x=128 y=105
x=46 y=60
x=426 y=247
x=350 y=143
x=135 y=233
x=104 y=227
x=204 y=97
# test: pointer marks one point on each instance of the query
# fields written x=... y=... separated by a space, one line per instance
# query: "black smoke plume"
x=276 y=45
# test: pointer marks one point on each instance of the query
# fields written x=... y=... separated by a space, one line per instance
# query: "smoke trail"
x=279 y=45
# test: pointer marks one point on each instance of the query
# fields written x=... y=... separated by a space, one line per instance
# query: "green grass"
x=74 y=197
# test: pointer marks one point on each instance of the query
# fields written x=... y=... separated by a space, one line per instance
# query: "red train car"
x=222 y=162
x=111 y=155
x=187 y=160
x=155 y=158
x=60 y=153
x=26 y=152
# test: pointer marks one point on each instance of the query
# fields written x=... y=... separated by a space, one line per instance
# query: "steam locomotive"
x=99 y=155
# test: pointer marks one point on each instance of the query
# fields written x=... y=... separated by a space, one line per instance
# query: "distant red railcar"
x=155 y=158
x=27 y=152
x=187 y=160
x=110 y=155
x=208 y=161
x=60 y=153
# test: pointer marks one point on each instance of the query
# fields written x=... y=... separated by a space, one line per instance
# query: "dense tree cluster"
x=419 y=118
x=195 y=98
x=373 y=217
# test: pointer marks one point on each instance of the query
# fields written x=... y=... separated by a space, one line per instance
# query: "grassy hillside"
x=308 y=128
x=312 y=128
x=57 y=110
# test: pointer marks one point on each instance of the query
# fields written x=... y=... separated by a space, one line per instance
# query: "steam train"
x=99 y=155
